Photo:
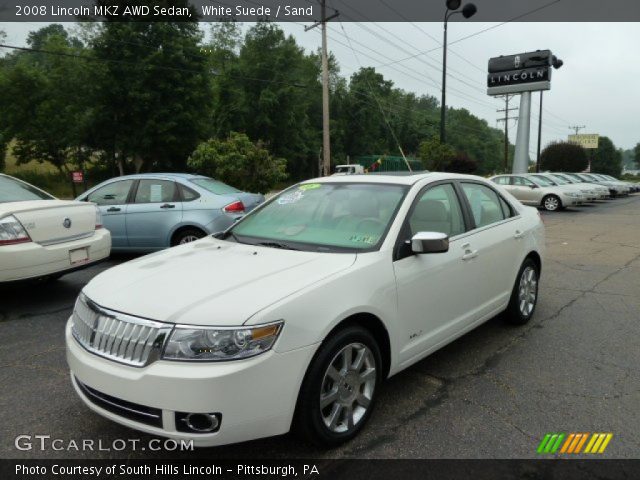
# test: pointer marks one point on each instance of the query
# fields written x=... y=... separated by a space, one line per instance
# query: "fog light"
x=198 y=422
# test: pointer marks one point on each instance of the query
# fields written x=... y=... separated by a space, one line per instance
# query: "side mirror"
x=430 y=242
x=533 y=186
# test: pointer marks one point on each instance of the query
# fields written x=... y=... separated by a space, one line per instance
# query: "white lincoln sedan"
x=293 y=317
x=41 y=236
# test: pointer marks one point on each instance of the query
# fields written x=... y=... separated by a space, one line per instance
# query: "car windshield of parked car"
x=324 y=217
x=560 y=180
x=214 y=186
x=566 y=178
x=16 y=191
x=540 y=181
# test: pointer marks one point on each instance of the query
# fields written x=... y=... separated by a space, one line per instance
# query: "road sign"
x=77 y=177
x=585 y=140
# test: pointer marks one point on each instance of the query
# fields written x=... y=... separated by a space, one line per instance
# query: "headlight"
x=220 y=344
x=572 y=194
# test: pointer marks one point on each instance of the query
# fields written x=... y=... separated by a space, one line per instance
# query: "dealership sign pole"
x=522 y=73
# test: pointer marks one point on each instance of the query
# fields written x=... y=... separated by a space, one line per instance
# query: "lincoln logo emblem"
x=516 y=61
x=66 y=223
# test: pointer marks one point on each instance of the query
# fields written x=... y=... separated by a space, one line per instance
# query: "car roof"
x=399 y=178
x=164 y=175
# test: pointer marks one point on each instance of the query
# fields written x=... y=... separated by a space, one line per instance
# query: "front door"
x=433 y=289
x=112 y=202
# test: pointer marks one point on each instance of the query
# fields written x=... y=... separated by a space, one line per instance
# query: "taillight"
x=235 y=207
x=98 y=219
x=12 y=231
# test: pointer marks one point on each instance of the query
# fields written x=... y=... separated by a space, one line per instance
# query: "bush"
x=563 y=157
x=435 y=156
x=461 y=163
x=238 y=162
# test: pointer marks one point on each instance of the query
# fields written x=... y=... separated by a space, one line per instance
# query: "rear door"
x=494 y=245
x=153 y=213
x=112 y=202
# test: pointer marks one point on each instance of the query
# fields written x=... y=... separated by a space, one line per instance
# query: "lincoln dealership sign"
x=524 y=72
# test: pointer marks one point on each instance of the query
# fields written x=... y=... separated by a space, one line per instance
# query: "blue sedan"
x=152 y=211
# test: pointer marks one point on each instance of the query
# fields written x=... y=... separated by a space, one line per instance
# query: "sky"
x=595 y=88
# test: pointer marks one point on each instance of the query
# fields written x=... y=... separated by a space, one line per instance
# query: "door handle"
x=167 y=205
x=469 y=254
x=113 y=209
x=518 y=235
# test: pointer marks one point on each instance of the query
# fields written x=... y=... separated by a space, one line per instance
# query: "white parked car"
x=352 y=169
x=538 y=193
x=586 y=193
x=601 y=191
x=296 y=314
x=41 y=236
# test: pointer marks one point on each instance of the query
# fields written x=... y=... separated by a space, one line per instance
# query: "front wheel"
x=524 y=296
x=339 y=390
x=551 y=203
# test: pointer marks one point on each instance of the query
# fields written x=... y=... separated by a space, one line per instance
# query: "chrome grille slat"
x=117 y=336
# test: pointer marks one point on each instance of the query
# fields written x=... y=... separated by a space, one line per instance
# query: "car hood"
x=211 y=282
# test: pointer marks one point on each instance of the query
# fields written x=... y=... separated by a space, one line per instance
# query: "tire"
x=520 y=310
x=552 y=203
x=187 y=236
x=358 y=388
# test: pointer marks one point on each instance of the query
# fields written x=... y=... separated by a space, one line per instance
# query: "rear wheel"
x=339 y=390
x=187 y=236
x=551 y=203
x=524 y=296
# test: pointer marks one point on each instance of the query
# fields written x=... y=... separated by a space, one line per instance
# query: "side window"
x=156 y=191
x=501 y=180
x=507 y=210
x=485 y=204
x=522 y=182
x=187 y=194
x=115 y=193
x=438 y=210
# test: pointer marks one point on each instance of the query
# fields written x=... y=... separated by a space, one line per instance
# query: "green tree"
x=563 y=157
x=434 y=155
x=238 y=162
x=151 y=92
x=606 y=159
x=42 y=97
x=636 y=155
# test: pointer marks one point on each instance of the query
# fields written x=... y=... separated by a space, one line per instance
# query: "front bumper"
x=32 y=260
x=256 y=397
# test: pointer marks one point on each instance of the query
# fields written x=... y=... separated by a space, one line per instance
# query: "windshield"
x=541 y=181
x=214 y=186
x=343 y=169
x=12 y=190
x=559 y=180
x=324 y=217
x=590 y=178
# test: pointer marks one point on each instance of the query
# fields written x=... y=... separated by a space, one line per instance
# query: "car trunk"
x=55 y=221
x=250 y=200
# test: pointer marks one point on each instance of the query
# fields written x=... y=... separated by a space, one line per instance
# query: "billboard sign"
x=585 y=140
x=523 y=72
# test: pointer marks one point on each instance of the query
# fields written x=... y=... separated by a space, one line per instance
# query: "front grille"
x=116 y=336
x=132 y=411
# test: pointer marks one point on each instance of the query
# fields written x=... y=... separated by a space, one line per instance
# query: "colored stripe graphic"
x=572 y=443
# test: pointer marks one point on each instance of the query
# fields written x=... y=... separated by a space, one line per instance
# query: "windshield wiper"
x=276 y=245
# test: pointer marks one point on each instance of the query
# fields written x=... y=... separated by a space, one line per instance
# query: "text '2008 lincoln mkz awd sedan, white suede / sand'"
x=294 y=316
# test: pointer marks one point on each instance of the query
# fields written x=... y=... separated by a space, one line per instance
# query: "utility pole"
x=506 y=119
x=576 y=128
x=539 y=134
x=326 y=141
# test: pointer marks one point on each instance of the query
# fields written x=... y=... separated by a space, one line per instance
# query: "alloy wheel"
x=527 y=291
x=188 y=239
x=347 y=388
x=551 y=203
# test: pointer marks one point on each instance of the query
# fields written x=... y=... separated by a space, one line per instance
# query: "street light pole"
x=539 y=134
x=467 y=11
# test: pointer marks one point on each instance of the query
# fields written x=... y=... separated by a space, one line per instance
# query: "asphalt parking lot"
x=494 y=393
